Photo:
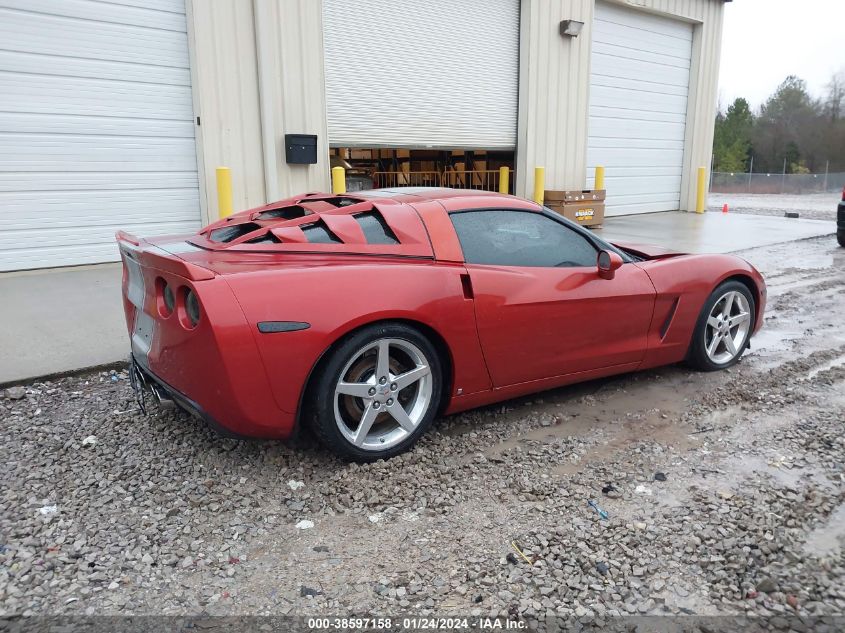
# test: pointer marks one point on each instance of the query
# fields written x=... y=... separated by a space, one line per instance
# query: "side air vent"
x=318 y=233
x=284 y=213
x=375 y=228
x=229 y=233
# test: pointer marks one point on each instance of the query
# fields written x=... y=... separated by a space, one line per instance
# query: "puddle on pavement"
x=719 y=417
x=748 y=466
x=665 y=432
x=771 y=340
x=787 y=337
x=780 y=285
x=625 y=411
x=751 y=465
x=810 y=253
x=836 y=362
x=828 y=539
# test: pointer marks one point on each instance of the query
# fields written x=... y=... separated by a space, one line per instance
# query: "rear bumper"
x=180 y=399
x=223 y=428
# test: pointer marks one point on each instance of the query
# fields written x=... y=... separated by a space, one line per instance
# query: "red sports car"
x=365 y=316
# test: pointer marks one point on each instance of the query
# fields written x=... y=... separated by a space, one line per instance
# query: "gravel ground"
x=725 y=494
x=813 y=206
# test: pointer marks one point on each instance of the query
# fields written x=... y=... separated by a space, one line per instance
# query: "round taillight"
x=169 y=298
x=192 y=307
x=165 y=298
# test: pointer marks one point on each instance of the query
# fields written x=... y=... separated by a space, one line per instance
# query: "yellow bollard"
x=224 y=192
x=702 y=190
x=599 y=177
x=338 y=180
x=504 y=180
x=539 y=184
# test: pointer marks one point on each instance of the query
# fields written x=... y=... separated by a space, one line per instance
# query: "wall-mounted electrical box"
x=301 y=149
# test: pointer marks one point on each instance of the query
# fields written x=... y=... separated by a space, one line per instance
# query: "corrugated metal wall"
x=252 y=54
x=291 y=44
x=554 y=90
x=554 y=79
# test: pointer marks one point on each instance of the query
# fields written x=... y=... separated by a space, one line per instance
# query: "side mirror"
x=607 y=263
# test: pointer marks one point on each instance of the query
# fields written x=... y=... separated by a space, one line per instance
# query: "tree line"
x=806 y=133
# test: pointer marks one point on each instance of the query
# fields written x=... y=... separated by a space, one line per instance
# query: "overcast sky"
x=766 y=40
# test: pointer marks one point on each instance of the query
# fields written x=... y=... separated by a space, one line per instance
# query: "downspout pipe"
x=265 y=100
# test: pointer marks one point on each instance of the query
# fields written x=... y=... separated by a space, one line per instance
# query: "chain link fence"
x=776 y=183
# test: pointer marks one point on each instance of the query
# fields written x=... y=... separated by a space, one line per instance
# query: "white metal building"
x=115 y=114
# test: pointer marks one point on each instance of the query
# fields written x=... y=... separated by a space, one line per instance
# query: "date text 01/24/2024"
x=414 y=624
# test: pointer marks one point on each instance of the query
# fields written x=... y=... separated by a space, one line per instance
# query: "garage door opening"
x=437 y=78
x=460 y=169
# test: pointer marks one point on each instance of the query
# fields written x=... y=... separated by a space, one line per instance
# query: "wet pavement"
x=711 y=232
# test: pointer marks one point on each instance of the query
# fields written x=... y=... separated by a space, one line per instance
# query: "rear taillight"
x=169 y=298
x=165 y=297
x=843 y=194
x=192 y=308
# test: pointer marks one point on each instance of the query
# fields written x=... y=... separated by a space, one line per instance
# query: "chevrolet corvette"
x=364 y=316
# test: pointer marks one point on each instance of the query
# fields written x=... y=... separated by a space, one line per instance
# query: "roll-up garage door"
x=639 y=84
x=96 y=128
x=439 y=73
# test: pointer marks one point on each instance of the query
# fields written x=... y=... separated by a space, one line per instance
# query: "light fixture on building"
x=571 y=28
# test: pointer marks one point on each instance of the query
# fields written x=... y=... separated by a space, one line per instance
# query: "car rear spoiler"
x=152 y=256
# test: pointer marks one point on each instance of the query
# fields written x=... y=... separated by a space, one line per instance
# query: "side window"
x=520 y=238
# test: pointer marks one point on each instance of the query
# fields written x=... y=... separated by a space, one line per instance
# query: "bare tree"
x=835 y=101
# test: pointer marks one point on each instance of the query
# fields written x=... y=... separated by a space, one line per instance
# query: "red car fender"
x=355 y=295
x=683 y=285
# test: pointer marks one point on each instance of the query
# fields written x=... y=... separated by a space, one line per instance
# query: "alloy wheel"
x=727 y=327
x=383 y=394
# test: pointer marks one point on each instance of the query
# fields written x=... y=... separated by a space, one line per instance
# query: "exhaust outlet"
x=164 y=400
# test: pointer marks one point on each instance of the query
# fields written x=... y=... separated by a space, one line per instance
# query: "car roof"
x=412 y=219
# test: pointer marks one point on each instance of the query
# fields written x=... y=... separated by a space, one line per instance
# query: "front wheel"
x=377 y=393
x=723 y=328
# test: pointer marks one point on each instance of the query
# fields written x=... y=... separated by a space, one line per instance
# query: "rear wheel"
x=377 y=393
x=840 y=237
x=723 y=328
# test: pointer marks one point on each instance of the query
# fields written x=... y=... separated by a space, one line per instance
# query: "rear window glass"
x=284 y=213
x=267 y=238
x=342 y=201
x=318 y=233
x=233 y=232
x=375 y=229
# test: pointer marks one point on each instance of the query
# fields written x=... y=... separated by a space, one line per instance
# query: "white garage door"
x=439 y=73
x=638 y=107
x=96 y=128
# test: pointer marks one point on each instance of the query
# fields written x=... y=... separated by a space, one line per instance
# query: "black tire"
x=697 y=356
x=321 y=406
x=840 y=237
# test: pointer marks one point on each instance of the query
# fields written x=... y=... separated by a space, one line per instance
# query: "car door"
x=541 y=308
